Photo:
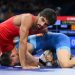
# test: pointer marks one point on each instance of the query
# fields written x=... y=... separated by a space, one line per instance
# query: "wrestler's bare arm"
x=24 y=31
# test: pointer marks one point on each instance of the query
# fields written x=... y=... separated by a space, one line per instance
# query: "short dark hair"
x=50 y=15
x=5 y=59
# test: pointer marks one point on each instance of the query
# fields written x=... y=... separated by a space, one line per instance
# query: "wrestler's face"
x=14 y=58
x=42 y=23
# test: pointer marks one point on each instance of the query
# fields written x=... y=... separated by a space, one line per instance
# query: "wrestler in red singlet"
x=8 y=31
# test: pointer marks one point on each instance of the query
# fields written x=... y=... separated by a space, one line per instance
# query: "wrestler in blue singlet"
x=49 y=41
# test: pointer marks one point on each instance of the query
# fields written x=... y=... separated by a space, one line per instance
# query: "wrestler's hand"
x=31 y=67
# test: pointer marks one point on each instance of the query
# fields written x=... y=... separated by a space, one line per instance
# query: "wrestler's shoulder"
x=24 y=15
x=27 y=15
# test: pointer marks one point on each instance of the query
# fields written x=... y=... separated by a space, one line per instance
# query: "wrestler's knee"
x=63 y=56
x=64 y=64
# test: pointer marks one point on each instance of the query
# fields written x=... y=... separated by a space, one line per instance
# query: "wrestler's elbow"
x=23 y=37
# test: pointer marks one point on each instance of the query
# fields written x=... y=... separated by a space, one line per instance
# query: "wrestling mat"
x=42 y=71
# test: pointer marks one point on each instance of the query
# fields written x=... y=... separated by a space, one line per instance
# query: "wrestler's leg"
x=64 y=53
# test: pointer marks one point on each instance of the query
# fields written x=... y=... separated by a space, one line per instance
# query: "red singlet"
x=7 y=32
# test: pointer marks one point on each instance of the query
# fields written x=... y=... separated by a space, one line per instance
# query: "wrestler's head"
x=9 y=58
x=45 y=18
